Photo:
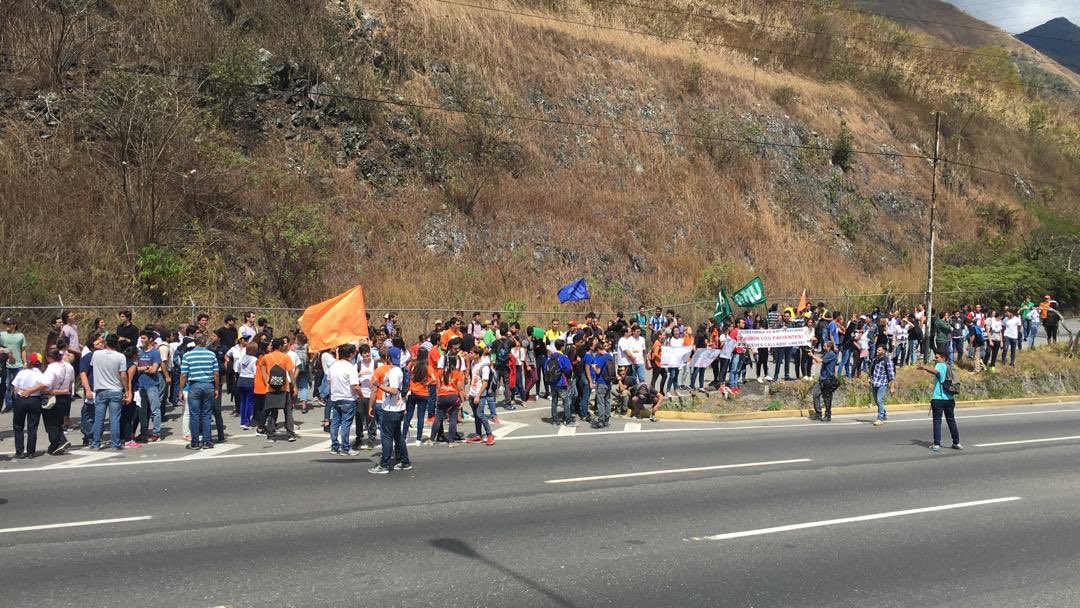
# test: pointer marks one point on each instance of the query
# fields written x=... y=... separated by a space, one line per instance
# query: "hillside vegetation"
x=275 y=152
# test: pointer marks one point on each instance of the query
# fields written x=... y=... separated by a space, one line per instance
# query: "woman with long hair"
x=419 y=377
x=451 y=392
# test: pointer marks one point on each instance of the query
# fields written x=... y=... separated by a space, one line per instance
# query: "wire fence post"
x=192 y=300
x=61 y=298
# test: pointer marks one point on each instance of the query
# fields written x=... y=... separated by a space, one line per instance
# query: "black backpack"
x=552 y=370
x=277 y=380
x=502 y=354
x=611 y=370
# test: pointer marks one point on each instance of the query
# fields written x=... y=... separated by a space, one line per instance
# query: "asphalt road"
x=291 y=525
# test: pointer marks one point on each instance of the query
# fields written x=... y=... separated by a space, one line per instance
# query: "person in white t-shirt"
x=245 y=368
x=365 y=368
x=1011 y=331
x=632 y=348
x=393 y=415
x=344 y=380
x=480 y=395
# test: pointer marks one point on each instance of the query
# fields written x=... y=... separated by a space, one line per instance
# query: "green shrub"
x=843 y=153
x=159 y=272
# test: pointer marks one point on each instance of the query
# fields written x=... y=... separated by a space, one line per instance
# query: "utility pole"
x=933 y=204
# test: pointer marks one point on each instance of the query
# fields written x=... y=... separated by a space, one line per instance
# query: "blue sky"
x=1018 y=16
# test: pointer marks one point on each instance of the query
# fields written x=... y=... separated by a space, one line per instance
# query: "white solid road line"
x=848 y=520
x=1022 y=441
x=76 y=524
x=674 y=471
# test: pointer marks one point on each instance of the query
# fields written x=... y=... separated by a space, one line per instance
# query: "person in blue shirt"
x=827 y=382
x=600 y=385
x=942 y=402
x=558 y=388
x=86 y=378
x=147 y=365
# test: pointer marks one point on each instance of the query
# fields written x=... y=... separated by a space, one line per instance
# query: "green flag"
x=723 y=309
x=751 y=294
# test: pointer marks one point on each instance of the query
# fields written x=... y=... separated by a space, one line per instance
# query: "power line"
x=803 y=31
x=1005 y=173
x=1005 y=83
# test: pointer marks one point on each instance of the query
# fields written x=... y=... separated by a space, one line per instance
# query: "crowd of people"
x=386 y=390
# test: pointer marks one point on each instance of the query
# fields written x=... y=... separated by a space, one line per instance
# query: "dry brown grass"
x=587 y=201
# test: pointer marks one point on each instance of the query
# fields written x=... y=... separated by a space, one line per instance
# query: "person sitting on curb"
x=642 y=396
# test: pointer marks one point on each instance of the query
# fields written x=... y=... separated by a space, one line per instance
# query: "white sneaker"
x=350 y=453
x=418 y=443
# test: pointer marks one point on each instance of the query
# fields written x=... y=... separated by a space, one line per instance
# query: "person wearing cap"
x=55 y=392
x=388 y=380
x=12 y=344
x=27 y=388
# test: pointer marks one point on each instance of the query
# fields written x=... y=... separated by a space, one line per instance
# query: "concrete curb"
x=898 y=407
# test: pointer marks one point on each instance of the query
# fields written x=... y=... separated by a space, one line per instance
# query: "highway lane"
x=479 y=526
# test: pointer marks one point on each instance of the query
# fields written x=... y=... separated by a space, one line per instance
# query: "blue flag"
x=574 y=292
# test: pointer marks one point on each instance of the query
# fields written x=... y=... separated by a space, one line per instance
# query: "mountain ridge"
x=1059 y=39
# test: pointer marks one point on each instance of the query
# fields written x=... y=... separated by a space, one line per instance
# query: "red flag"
x=339 y=320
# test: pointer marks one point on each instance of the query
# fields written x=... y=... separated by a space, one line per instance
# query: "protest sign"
x=703 y=357
x=674 y=356
x=775 y=338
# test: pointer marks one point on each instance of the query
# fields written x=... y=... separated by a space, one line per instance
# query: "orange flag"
x=803 y=304
x=336 y=321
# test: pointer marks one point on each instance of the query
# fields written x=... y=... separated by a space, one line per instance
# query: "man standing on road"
x=12 y=343
x=344 y=390
x=1010 y=329
x=199 y=373
x=827 y=382
x=274 y=386
x=147 y=365
x=942 y=402
x=882 y=378
x=110 y=380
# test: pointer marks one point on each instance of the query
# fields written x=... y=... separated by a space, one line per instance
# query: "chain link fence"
x=34 y=320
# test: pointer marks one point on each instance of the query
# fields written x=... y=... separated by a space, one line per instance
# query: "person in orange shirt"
x=268 y=401
x=454 y=331
x=654 y=359
x=451 y=393
x=374 y=407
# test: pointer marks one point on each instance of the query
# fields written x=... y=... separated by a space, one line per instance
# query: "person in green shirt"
x=1025 y=308
x=940 y=331
x=12 y=344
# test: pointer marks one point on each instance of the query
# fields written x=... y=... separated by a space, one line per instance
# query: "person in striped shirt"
x=199 y=373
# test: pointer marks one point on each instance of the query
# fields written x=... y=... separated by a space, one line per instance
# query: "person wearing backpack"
x=977 y=340
x=273 y=386
x=557 y=370
x=501 y=351
x=479 y=393
x=943 y=400
x=604 y=374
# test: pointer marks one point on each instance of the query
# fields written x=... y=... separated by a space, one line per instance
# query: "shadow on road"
x=459 y=547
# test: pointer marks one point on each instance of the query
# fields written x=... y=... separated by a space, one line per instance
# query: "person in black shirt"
x=228 y=333
x=126 y=331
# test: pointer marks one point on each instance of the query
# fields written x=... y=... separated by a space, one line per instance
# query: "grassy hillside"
x=233 y=150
